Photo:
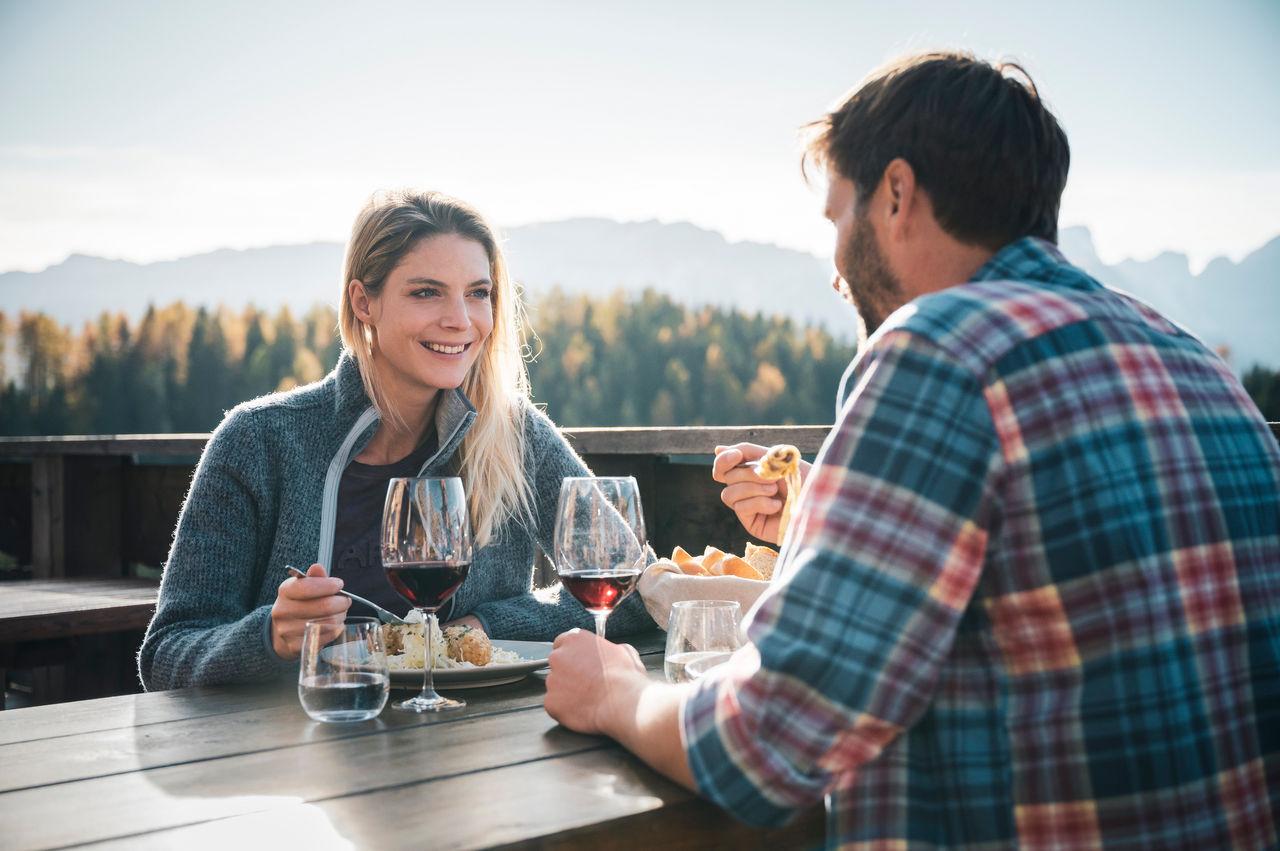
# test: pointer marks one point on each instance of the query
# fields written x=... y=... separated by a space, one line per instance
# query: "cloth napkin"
x=663 y=583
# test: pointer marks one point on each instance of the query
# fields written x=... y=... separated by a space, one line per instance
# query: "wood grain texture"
x=103 y=444
x=47 y=532
x=34 y=610
x=599 y=799
x=627 y=441
x=135 y=710
x=226 y=767
x=229 y=766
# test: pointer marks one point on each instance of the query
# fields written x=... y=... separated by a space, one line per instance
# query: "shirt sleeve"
x=543 y=613
x=889 y=542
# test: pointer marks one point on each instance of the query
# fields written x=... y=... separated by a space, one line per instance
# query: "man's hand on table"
x=601 y=688
x=757 y=502
x=315 y=598
x=591 y=681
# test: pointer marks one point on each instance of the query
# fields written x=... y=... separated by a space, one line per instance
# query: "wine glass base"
x=420 y=704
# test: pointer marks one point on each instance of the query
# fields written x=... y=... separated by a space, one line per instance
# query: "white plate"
x=533 y=655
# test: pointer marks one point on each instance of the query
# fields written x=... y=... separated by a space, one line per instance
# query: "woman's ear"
x=359 y=299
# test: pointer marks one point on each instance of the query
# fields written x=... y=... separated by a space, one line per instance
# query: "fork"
x=383 y=615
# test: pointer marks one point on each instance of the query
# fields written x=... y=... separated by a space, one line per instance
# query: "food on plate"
x=782 y=462
x=716 y=562
x=467 y=644
x=454 y=647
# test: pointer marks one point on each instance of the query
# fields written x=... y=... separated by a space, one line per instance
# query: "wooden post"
x=48 y=552
x=93 y=510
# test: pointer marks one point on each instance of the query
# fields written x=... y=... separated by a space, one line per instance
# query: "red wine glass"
x=599 y=542
x=426 y=553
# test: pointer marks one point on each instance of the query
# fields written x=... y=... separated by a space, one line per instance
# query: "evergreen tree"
x=208 y=386
x=1263 y=386
x=622 y=361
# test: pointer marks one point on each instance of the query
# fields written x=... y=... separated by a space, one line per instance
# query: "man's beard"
x=871 y=287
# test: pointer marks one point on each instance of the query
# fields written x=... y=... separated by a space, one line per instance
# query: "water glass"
x=701 y=634
x=344 y=674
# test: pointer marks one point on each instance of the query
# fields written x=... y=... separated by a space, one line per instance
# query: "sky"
x=152 y=130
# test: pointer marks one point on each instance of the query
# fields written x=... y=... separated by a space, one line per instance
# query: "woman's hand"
x=315 y=598
x=757 y=502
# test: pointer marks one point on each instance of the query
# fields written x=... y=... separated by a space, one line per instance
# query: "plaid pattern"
x=1031 y=596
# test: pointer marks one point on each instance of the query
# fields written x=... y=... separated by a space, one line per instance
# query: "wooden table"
x=243 y=767
x=38 y=609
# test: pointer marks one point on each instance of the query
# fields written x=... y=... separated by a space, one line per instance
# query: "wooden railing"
x=94 y=505
x=106 y=505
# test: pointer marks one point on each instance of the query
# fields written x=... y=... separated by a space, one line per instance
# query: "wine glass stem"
x=428 y=679
x=600 y=617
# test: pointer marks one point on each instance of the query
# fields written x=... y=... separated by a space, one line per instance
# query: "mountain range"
x=1233 y=306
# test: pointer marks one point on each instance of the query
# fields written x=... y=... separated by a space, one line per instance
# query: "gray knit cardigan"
x=265 y=496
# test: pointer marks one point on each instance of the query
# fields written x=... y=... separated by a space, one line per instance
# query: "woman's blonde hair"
x=492 y=454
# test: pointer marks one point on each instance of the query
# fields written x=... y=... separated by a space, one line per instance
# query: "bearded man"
x=1030 y=596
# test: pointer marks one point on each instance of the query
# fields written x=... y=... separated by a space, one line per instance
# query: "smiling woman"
x=431 y=382
x=423 y=328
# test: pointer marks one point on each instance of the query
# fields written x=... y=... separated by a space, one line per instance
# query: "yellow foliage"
x=766 y=387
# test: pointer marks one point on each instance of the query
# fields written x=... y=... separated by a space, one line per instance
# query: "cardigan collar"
x=453 y=418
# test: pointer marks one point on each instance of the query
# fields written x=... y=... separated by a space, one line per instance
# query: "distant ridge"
x=1231 y=304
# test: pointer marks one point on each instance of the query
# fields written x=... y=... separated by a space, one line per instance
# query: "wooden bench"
x=44 y=609
x=77 y=636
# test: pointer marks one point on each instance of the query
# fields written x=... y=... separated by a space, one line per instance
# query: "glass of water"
x=701 y=634
x=344 y=675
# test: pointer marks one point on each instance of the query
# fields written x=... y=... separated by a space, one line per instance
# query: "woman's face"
x=432 y=318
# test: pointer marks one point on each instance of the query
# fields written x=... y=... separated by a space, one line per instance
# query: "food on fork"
x=782 y=462
x=778 y=461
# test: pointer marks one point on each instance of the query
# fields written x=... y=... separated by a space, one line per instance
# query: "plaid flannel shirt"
x=1032 y=594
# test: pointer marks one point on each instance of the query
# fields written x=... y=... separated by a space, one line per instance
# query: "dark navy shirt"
x=357 y=539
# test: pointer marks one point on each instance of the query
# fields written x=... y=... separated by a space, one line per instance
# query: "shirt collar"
x=1035 y=260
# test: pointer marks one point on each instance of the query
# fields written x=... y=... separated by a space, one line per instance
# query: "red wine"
x=427 y=584
x=600 y=590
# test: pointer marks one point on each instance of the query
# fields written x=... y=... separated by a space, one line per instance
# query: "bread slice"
x=762 y=559
x=737 y=566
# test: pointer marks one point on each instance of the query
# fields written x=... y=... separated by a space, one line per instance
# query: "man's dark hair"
x=988 y=153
